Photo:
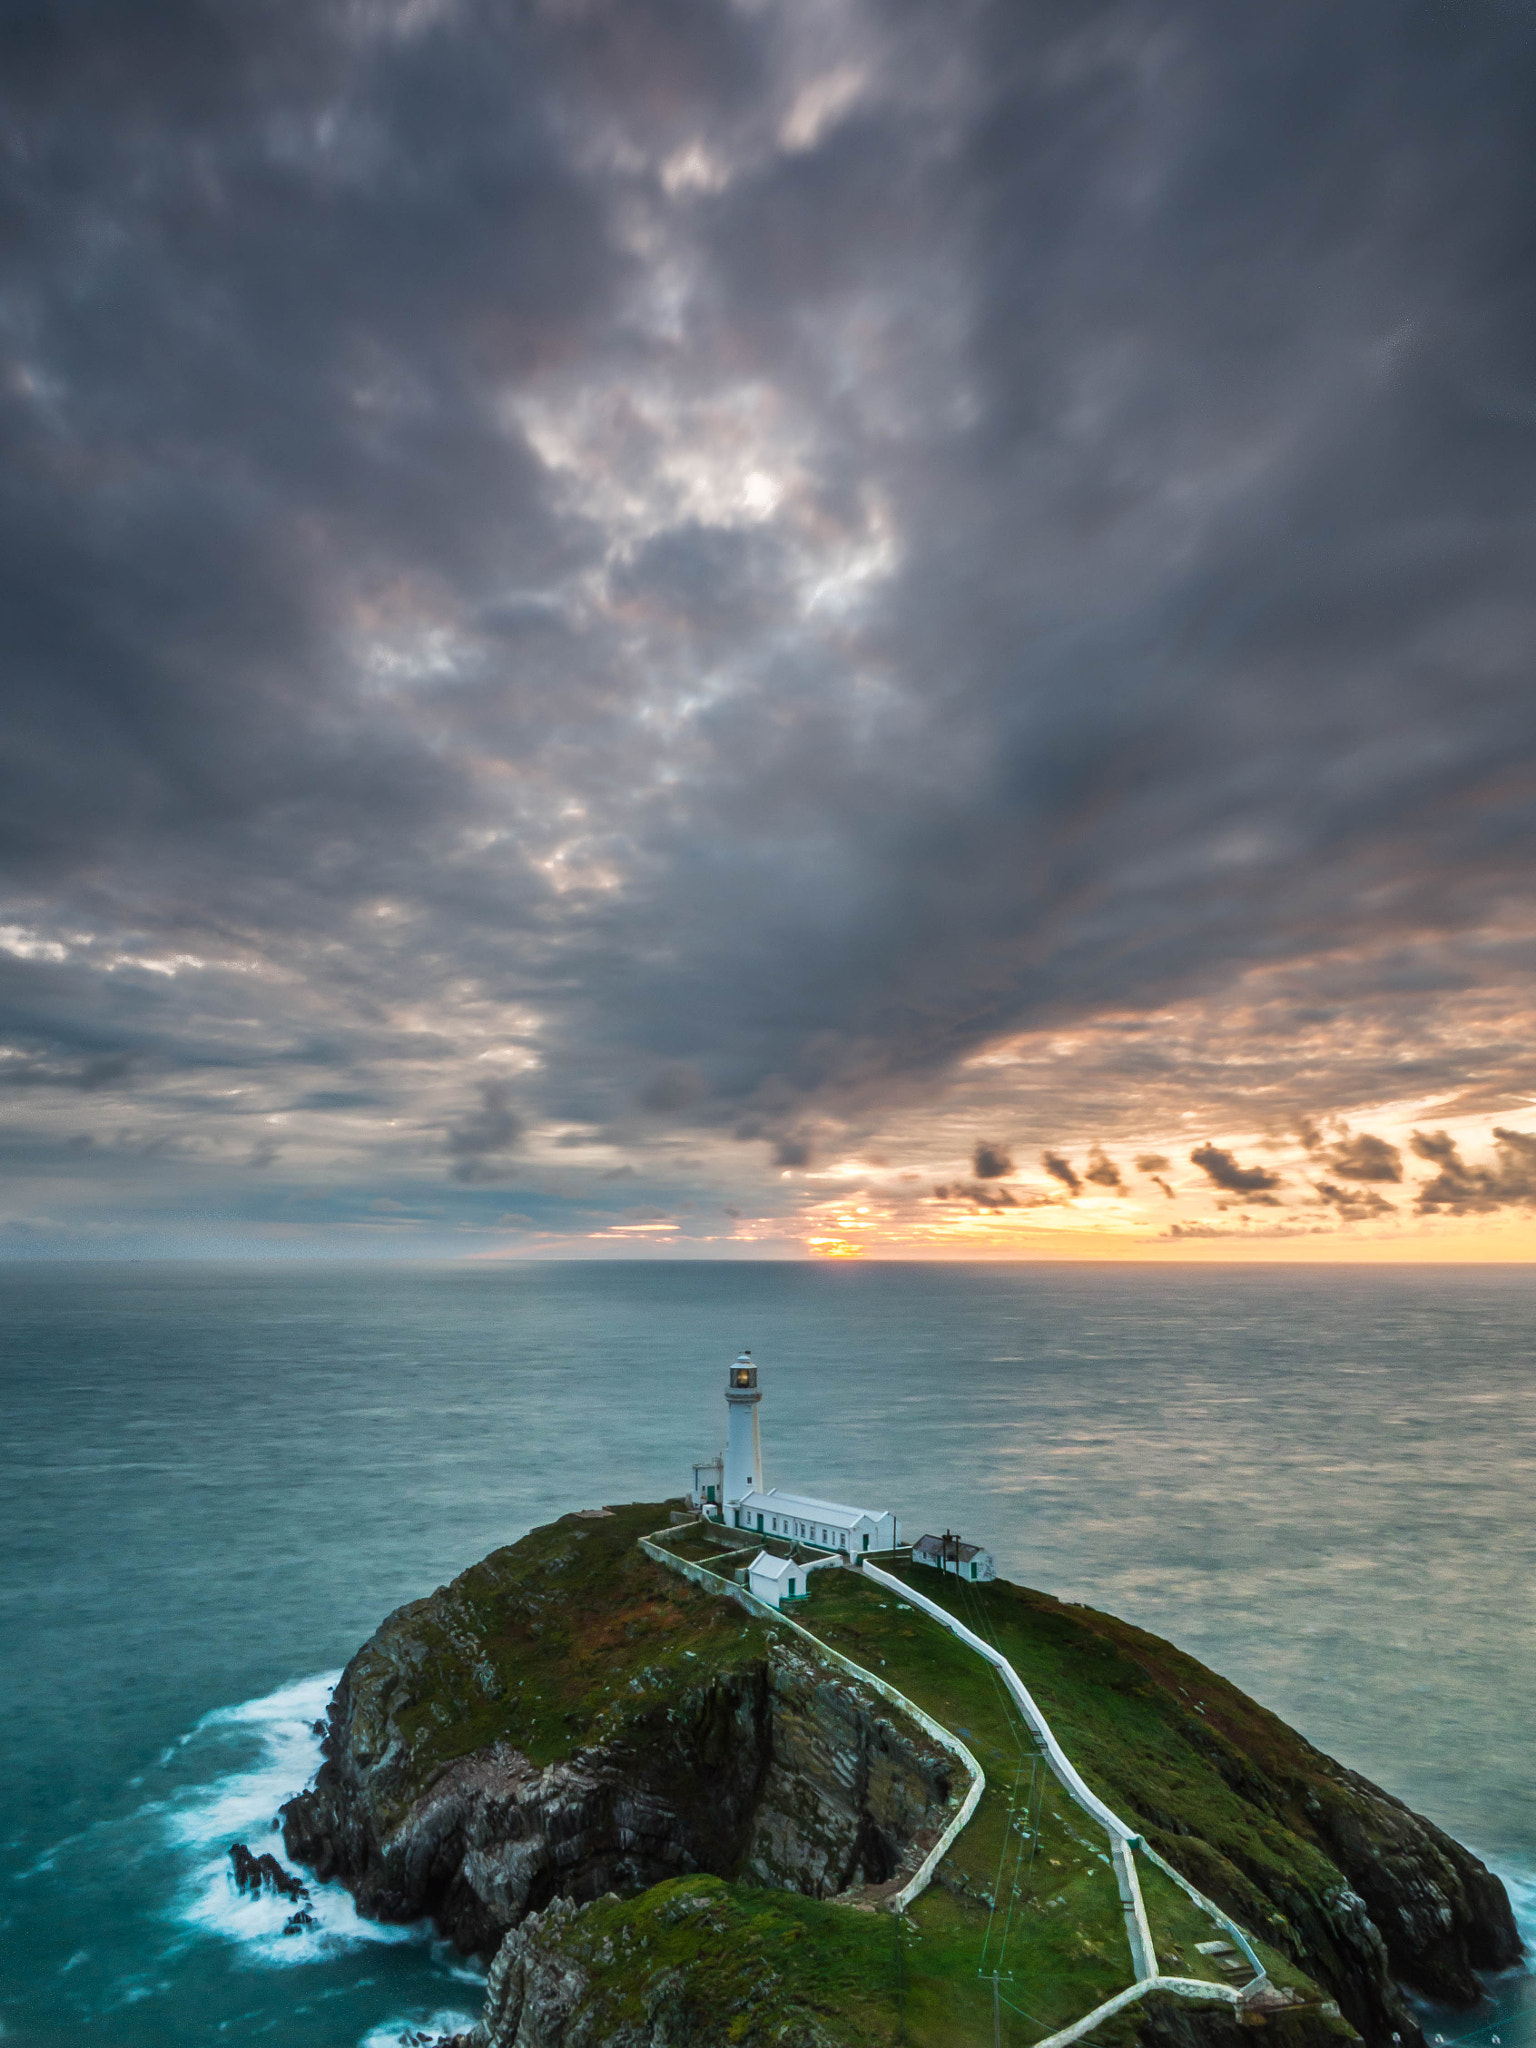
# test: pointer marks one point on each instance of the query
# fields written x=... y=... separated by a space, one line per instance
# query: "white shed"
x=708 y=1484
x=776 y=1579
x=947 y=1553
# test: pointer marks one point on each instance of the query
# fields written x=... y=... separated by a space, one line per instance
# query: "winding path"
x=1125 y=1843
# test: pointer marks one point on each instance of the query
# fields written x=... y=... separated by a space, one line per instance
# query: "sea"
x=216 y=1480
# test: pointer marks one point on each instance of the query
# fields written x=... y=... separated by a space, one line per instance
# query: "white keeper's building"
x=826 y=1523
x=732 y=1489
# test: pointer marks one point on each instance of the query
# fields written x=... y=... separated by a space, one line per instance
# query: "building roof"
x=767 y=1566
x=801 y=1507
x=939 y=1546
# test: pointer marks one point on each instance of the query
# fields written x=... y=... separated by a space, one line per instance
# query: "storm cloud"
x=698 y=593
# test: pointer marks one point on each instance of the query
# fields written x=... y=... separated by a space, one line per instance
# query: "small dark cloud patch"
x=991 y=1162
x=1102 y=1170
x=1353 y=1155
x=1063 y=1170
x=987 y=1195
x=1354 y=1204
x=1461 y=1189
x=1177 y=1232
x=1222 y=1168
x=1152 y=1162
x=483 y=1135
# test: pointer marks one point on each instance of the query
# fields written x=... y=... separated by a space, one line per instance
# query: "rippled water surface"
x=216 y=1481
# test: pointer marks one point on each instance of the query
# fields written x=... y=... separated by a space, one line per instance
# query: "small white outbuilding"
x=947 y=1553
x=776 y=1579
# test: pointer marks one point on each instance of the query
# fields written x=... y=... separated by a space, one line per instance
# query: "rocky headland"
x=652 y=1812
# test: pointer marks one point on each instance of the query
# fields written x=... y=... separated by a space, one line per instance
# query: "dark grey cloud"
x=1220 y=1167
x=1354 y=1155
x=991 y=1162
x=982 y=1196
x=1102 y=1170
x=1461 y=1189
x=1354 y=1204
x=739 y=571
x=1063 y=1170
x=478 y=1143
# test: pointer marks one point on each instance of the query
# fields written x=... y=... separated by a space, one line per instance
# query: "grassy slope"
x=745 y=1968
x=1028 y=1888
x=550 y=1644
x=1216 y=1782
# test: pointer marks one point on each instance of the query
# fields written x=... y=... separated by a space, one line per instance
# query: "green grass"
x=550 y=1644
x=751 y=1967
x=1218 y=1785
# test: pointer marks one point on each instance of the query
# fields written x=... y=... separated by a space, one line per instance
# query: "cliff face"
x=686 y=1740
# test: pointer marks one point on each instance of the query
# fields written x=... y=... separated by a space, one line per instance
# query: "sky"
x=768 y=628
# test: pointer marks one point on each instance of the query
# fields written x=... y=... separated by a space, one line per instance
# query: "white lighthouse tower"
x=743 y=1442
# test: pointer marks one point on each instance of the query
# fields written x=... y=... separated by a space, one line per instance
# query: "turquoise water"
x=217 y=1480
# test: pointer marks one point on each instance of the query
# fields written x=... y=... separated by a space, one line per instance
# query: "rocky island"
x=667 y=1820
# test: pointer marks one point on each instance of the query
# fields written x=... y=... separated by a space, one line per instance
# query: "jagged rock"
x=744 y=1756
x=264 y=1873
x=790 y=1773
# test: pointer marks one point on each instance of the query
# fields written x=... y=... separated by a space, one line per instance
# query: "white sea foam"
x=390 y=2033
x=1521 y=1886
x=260 y=1753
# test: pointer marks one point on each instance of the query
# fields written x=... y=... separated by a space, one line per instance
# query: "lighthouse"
x=743 y=1440
x=730 y=1490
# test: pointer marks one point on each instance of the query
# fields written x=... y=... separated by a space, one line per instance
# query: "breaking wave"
x=260 y=1754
